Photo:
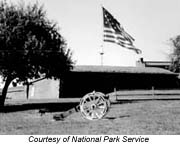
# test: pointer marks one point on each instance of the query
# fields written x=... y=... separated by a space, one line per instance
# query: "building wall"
x=78 y=84
x=43 y=89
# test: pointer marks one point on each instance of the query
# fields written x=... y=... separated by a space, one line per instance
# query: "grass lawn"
x=151 y=117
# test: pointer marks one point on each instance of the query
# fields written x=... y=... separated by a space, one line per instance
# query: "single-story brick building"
x=84 y=79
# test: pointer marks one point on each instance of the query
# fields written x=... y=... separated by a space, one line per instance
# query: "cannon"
x=92 y=106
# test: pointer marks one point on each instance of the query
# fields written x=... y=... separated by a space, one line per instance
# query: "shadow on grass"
x=64 y=106
x=112 y=118
x=46 y=107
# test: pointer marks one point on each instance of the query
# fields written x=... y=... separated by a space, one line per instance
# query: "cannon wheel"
x=94 y=106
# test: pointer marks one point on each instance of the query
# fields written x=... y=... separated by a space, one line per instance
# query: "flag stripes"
x=115 y=33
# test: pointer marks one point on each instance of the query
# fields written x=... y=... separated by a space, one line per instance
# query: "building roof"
x=120 y=69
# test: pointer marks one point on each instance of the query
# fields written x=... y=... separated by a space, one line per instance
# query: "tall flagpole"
x=102 y=45
x=101 y=54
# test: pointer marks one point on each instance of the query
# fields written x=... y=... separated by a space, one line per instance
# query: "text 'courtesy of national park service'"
x=108 y=139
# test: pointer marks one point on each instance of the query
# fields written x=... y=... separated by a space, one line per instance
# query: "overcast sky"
x=151 y=22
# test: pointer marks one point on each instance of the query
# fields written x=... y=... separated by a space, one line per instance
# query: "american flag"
x=115 y=33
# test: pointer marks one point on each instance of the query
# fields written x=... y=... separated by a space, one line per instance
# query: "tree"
x=30 y=46
x=175 y=55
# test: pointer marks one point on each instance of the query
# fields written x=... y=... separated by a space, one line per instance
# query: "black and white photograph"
x=90 y=67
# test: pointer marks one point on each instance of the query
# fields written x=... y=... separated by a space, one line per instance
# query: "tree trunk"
x=4 y=91
x=61 y=84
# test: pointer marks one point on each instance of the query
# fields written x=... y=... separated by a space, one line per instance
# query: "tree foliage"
x=30 y=45
x=175 y=55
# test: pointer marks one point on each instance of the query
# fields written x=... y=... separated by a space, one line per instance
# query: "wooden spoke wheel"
x=94 y=106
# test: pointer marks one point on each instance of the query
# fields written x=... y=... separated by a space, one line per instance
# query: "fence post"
x=115 y=92
x=153 y=91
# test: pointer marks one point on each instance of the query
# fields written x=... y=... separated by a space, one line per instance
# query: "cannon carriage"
x=92 y=106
